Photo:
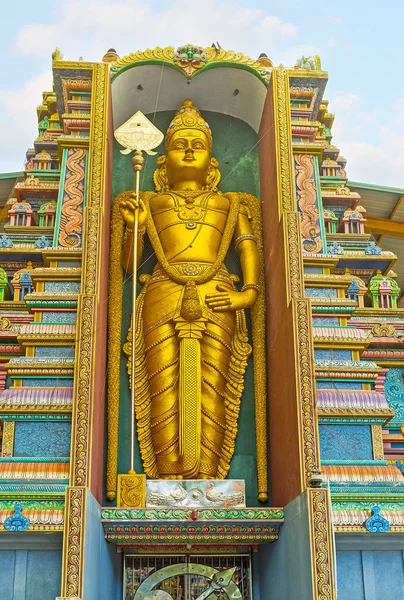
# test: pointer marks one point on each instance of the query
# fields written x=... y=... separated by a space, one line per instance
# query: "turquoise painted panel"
x=325 y=321
x=315 y=292
x=44 y=569
x=338 y=385
x=345 y=442
x=37 y=438
x=394 y=392
x=370 y=575
x=62 y=286
x=45 y=382
x=349 y=575
x=332 y=354
x=30 y=574
x=389 y=574
x=7 y=566
x=60 y=351
x=74 y=264
x=59 y=317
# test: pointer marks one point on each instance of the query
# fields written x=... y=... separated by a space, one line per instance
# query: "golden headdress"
x=188 y=116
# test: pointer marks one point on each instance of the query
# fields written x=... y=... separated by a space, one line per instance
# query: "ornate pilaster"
x=304 y=354
x=69 y=218
x=309 y=204
x=8 y=438
x=296 y=384
x=84 y=385
x=377 y=442
x=84 y=381
x=322 y=545
x=306 y=387
x=282 y=124
x=73 y=543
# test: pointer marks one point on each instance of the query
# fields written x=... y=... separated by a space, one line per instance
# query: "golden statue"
x=191 y=335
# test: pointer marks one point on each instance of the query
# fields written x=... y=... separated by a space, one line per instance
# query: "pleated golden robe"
x=189 y=378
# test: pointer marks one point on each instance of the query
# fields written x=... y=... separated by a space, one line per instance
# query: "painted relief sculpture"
x=191 y=340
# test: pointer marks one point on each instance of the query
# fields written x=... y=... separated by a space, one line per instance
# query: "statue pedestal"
x=195 y=493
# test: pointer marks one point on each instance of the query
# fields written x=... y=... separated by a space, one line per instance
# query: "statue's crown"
x=188 y=116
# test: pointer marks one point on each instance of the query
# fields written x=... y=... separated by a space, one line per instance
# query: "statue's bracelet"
x=250 y=286
x=129 y=231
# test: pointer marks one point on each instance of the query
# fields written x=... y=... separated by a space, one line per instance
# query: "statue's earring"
x=160 y=175
x=213 y=178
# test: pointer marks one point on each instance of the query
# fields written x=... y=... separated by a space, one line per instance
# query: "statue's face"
x=188 y=157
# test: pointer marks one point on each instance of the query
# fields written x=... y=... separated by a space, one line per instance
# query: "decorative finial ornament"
x=316 y=479
x=110 y=55
x=138 y=133
x=188 y=117
x=17 y=521
x=190 y=58
x=376 y=523
x=57 y=55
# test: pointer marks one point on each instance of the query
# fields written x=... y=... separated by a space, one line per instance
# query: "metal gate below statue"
x=187 y=578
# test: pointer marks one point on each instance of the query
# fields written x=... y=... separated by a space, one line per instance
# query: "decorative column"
x=309 y=203
x=77 y=197
x=293 y=429
x=71 y=200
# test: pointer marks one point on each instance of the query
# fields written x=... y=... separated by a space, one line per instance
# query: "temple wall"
x=370 y=568
x=102 y=564
x=30 y=567
x=334 y=346
x=291 y=553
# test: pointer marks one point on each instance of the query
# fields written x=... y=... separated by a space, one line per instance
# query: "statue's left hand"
x=224 y=299
x=128 y=208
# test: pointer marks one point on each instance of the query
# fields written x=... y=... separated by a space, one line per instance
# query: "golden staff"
x=137 y=135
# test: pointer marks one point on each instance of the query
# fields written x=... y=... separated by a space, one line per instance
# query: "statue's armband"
x=244 y=230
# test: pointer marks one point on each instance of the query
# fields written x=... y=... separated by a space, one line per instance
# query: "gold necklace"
x=191 y=213
x=189 y=195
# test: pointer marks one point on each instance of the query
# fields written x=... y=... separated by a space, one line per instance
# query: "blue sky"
x=361 y=48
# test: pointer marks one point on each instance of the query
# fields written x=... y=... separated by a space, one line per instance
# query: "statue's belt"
x=191 y=270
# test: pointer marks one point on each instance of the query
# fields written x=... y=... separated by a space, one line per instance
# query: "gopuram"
x=202 y=341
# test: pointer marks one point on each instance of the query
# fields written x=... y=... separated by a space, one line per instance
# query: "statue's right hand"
x=128 y=209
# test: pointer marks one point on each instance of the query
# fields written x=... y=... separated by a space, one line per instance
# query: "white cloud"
x=336 y=20
x=345 y=101
x=274 y=26
x=89 y=27
x=290 y=55
x=18 y=123
x=21 y=102
x=36 y=40
x=375 y=150
x=399 y=106
x=103 y=23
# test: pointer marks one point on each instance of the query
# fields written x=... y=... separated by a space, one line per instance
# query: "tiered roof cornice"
x=341 y=337
x=36 y=400
x=39 y=520
x=363 y=473
x=353 y=403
